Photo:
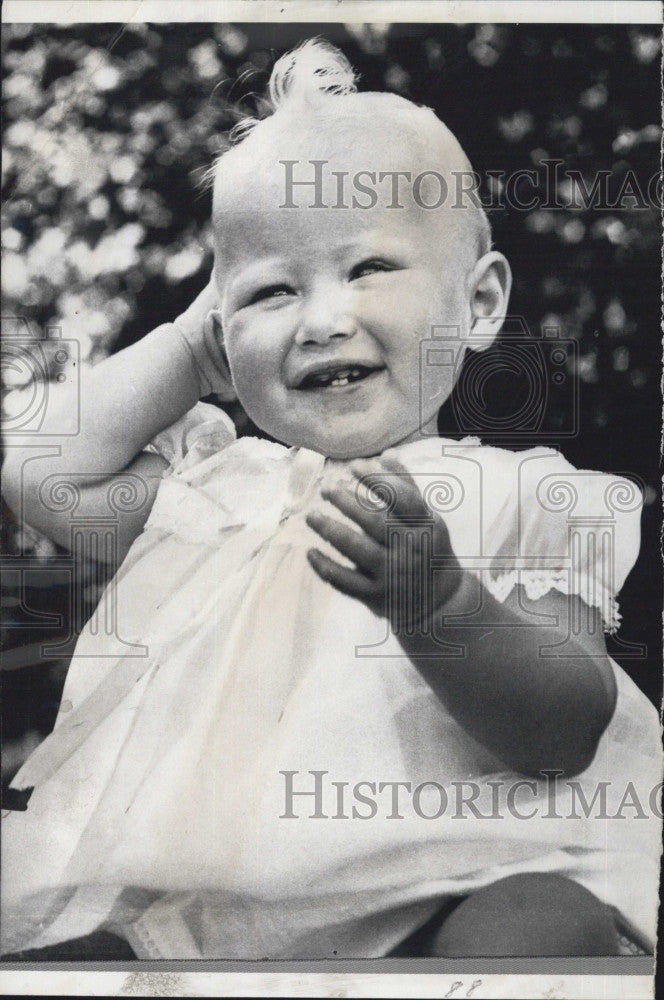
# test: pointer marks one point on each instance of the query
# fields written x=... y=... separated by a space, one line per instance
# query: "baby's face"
x=324 y=313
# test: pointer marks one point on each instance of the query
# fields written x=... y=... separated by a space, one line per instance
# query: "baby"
x=330 y=622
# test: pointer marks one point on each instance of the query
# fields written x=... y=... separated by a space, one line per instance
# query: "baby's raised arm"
x=123 y=402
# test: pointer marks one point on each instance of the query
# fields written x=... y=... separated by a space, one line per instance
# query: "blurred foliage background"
x=109 y=129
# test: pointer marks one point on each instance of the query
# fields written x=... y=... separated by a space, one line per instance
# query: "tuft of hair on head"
x=313 y=69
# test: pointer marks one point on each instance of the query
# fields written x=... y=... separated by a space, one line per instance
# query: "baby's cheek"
x=248 y=368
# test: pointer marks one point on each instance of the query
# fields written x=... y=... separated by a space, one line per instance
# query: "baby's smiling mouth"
x=336 y=376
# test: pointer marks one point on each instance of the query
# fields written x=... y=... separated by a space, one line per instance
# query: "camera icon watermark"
x=31 y=367
x=521 y=387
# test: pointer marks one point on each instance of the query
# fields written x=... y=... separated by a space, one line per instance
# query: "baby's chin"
x=348 y=448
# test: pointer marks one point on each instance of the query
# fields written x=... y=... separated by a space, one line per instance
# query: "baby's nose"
x=326 y=317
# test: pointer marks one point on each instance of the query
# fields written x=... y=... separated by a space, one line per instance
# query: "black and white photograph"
x=331 y=500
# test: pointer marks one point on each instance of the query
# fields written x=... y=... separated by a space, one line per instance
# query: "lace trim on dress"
x=537 y=583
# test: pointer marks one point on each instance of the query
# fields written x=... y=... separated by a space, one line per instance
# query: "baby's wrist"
x=451 y=599
x=204 y=346
x=460 y=593
x=189 y=349
x=173 y=344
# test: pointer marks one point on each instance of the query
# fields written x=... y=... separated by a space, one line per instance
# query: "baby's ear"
x=489 y=285
x=216 y=351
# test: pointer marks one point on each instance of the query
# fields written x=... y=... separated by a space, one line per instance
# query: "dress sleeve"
x=201 y=432
x=573 y=530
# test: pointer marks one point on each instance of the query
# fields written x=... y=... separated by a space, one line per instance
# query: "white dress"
x=159 y=800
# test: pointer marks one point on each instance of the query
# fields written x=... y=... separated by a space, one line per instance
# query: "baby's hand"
x=392 y=554
x=201 y=331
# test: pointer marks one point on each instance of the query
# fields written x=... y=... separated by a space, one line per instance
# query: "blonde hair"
x=315 y=73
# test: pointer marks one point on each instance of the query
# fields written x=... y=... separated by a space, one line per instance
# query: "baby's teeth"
x=341 y=378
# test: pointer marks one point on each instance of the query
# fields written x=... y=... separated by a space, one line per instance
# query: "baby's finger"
x=367 y=555
x=390 y=460
x=347 y=581
x=345 y=499
x=389 y=479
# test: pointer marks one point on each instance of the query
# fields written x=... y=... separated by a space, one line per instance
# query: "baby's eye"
x=269 y=292
x=367 y=267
